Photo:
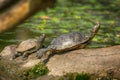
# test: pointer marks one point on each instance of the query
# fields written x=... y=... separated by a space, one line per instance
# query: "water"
x=14 y=36
x=64 y=20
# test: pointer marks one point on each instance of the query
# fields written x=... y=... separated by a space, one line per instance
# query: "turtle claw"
x=39 y=53
x=24 y=58
x=14 y=56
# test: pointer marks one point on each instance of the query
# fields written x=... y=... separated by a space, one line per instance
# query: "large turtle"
x=25 y=48
x=67 y=42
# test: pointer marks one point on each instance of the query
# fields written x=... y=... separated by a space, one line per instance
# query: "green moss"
x=38 y=70
x=75 y=76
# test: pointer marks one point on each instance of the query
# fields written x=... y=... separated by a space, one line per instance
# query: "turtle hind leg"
x=25 y=56
x=27 y=53
x=17 y=55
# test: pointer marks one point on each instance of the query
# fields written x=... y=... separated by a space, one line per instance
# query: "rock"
x=12 y=69
x=8 y=51
x=83 y=60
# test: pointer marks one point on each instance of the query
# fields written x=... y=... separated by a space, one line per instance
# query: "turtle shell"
x=67 y=41
x=26 y=45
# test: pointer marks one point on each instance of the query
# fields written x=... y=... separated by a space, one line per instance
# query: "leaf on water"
x=118 y=35
x=45 y=17
x=56 y=20
x=63 y=30
x=77 y=17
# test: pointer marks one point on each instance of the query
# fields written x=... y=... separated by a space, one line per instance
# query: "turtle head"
x=41 y=38
x=94 y=30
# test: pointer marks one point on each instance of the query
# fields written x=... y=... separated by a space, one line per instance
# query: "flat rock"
x=82 y=60
x=85 y=60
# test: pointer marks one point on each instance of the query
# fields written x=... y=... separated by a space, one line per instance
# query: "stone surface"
x=10 y=50
x=82 y=60
x=85 y=60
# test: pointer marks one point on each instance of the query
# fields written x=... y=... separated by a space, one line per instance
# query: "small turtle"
x=27 y=47
x=67 y=42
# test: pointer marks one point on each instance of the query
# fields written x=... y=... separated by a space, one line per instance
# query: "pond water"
x=66 y=19
x=14 y=36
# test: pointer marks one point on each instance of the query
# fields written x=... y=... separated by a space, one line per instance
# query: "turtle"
x=27 y=47
x=68 y=42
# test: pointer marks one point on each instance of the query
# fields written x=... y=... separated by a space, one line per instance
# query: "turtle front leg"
x=40 y=53
x=43 y=53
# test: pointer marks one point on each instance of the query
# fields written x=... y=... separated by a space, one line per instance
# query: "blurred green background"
x=69 y=16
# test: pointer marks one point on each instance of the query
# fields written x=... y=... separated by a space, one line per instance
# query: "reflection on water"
x=15 y=36
x=64 y=22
